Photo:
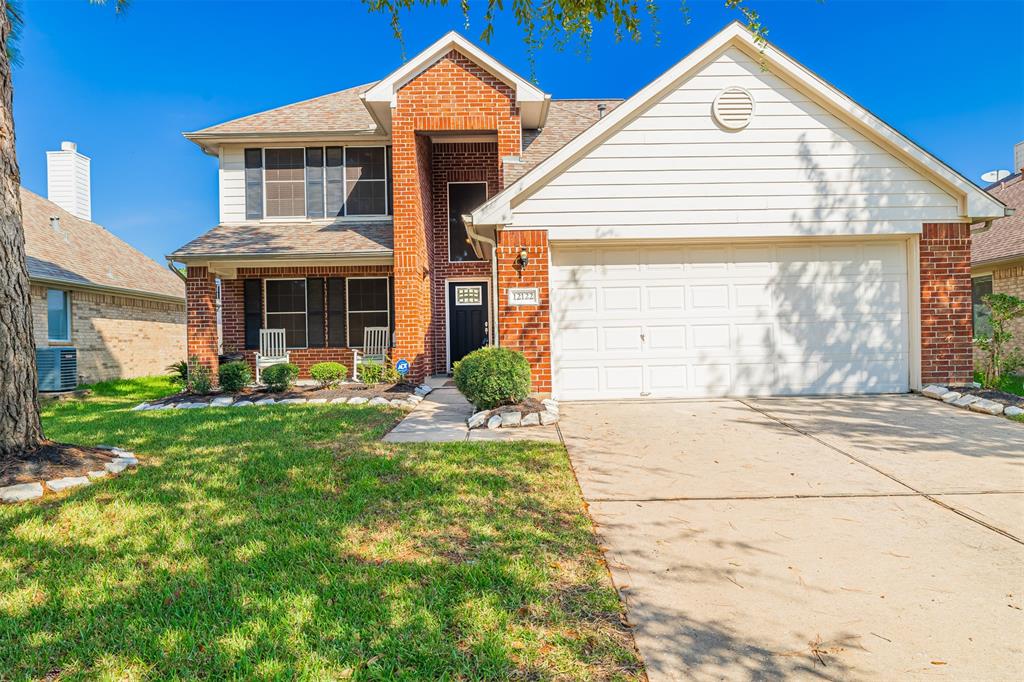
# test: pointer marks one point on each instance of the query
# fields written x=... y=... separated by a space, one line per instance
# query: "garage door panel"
x=756 y=319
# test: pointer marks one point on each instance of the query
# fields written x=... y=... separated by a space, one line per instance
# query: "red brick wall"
x=526 y=328
x=455 y=162
x=946 y=350
x=233 y=312
x=201 y=308
x=452 y=95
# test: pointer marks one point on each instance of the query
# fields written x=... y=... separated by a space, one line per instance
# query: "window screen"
x=58 y=310
x=285 y=179
x=980 y=287
x=365 y=181
x=367 y=307
x=286 y=309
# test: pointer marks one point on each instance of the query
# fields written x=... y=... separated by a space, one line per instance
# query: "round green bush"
x=490 y=377
x=234 y=376
x=328 y=373
x=280 y=377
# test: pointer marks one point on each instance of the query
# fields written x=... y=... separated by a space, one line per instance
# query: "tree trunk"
x=20 y=429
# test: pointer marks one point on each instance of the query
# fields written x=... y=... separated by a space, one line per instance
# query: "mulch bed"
x=991 y=394
x=528 y=406
x=52 y=460
x=388 y=391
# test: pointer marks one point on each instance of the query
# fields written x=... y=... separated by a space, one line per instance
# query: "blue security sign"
x=402 y=367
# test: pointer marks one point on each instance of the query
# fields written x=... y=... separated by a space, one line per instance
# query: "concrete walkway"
x=441 y=418
x=826 y=539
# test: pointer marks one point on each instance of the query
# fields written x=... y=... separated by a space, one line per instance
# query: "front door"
x=467 y=319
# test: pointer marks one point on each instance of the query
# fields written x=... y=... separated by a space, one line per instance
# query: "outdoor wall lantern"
x=523 y=259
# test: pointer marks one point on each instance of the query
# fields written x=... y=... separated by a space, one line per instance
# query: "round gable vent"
x=733 y=108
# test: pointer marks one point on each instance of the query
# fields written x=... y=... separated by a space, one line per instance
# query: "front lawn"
x=287 y=541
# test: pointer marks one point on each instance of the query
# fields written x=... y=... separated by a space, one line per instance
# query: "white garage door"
x=669 y=320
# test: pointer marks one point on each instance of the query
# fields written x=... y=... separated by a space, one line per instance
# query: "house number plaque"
x=524 y=296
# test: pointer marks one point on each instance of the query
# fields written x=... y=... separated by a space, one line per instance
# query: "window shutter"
x=253 y=313
x=391 y=191
x=336 y=312
x=335 y=173
x=314 y=182
x=315 y=312
x=391 y=308
x=253 y=184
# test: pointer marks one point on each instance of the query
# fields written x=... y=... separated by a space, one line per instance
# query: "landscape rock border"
x=408 y=403
x=23 y=492
x=502 y=418
x=970 y=402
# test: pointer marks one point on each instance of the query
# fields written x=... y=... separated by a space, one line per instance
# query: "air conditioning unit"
x=58 y=368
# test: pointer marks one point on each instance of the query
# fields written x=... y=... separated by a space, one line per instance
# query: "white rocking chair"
x=272 y=350
x=376 y=341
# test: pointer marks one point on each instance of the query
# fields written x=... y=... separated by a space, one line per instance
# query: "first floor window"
x=286 y=309
x=981 y=287
x=368 y=306
x=58 y=312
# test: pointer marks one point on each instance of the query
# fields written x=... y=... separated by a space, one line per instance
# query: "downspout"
x=477 y=237
x=176 y=271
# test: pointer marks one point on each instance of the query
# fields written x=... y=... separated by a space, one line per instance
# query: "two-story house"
x=738 y=226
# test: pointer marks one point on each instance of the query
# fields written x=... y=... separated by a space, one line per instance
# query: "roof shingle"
x=1005 y=239
x=292 y=239
x=82 y=253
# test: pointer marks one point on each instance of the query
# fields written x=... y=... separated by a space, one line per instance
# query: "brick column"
x=526 y=329
x=201 y=305
x=946 y=347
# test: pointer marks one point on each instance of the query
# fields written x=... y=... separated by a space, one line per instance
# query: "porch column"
x=201 y=306
x=526 y=328
x=947 y=355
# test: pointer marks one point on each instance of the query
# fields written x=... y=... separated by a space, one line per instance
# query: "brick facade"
x=455 y=162
x=453 y=95
x=526 y=328
x=116 y=336
x=946 y=318
x=201 y=301
x=1009 y=279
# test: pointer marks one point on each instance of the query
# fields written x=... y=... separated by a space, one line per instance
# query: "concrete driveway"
x=845 y=538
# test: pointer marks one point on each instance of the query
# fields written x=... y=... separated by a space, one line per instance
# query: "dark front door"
x=467 y=318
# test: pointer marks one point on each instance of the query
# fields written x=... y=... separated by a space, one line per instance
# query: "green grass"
x=288 y=542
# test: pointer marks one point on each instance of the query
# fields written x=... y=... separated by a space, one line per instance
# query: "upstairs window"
x=317 y=182
x=285 y=180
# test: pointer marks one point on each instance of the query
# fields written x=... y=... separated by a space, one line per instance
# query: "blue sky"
x=950 y=75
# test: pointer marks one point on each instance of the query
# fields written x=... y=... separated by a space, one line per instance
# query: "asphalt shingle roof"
x=82 y=253
x=292 y=239
x=340 y=111
x=1005 y=239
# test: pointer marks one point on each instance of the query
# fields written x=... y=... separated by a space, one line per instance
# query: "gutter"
x=176 y=271
x=477 y=237
x=986 y=225
x=119 y=291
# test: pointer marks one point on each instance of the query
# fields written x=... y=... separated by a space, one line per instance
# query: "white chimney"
x=67 y=180
x=1018 y=157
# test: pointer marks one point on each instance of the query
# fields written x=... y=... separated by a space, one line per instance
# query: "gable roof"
x=1004 y=240
x=974 y=202
x=81 y=253
x=380 y=98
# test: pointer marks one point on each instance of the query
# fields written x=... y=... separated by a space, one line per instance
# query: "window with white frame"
x=286 y=309
x=285 y=180
x=58 y=315
x=366 y=184
x=368 y=306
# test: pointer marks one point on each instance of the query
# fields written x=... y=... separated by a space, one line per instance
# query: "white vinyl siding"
x=794 y=170
x=738 y=318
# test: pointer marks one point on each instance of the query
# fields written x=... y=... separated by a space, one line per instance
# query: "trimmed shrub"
x=371 y=372
x=490 y=377
x=280 y=377
x=328 y=373
x=199 y=377
x=234 y=376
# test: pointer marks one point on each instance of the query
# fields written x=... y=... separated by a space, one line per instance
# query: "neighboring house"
x=997 y=253
x=736 y=227
x=122 y=311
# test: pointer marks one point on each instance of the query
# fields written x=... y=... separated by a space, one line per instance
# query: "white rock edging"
x=970 y=402
x=512 y=419
x=22 y=492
